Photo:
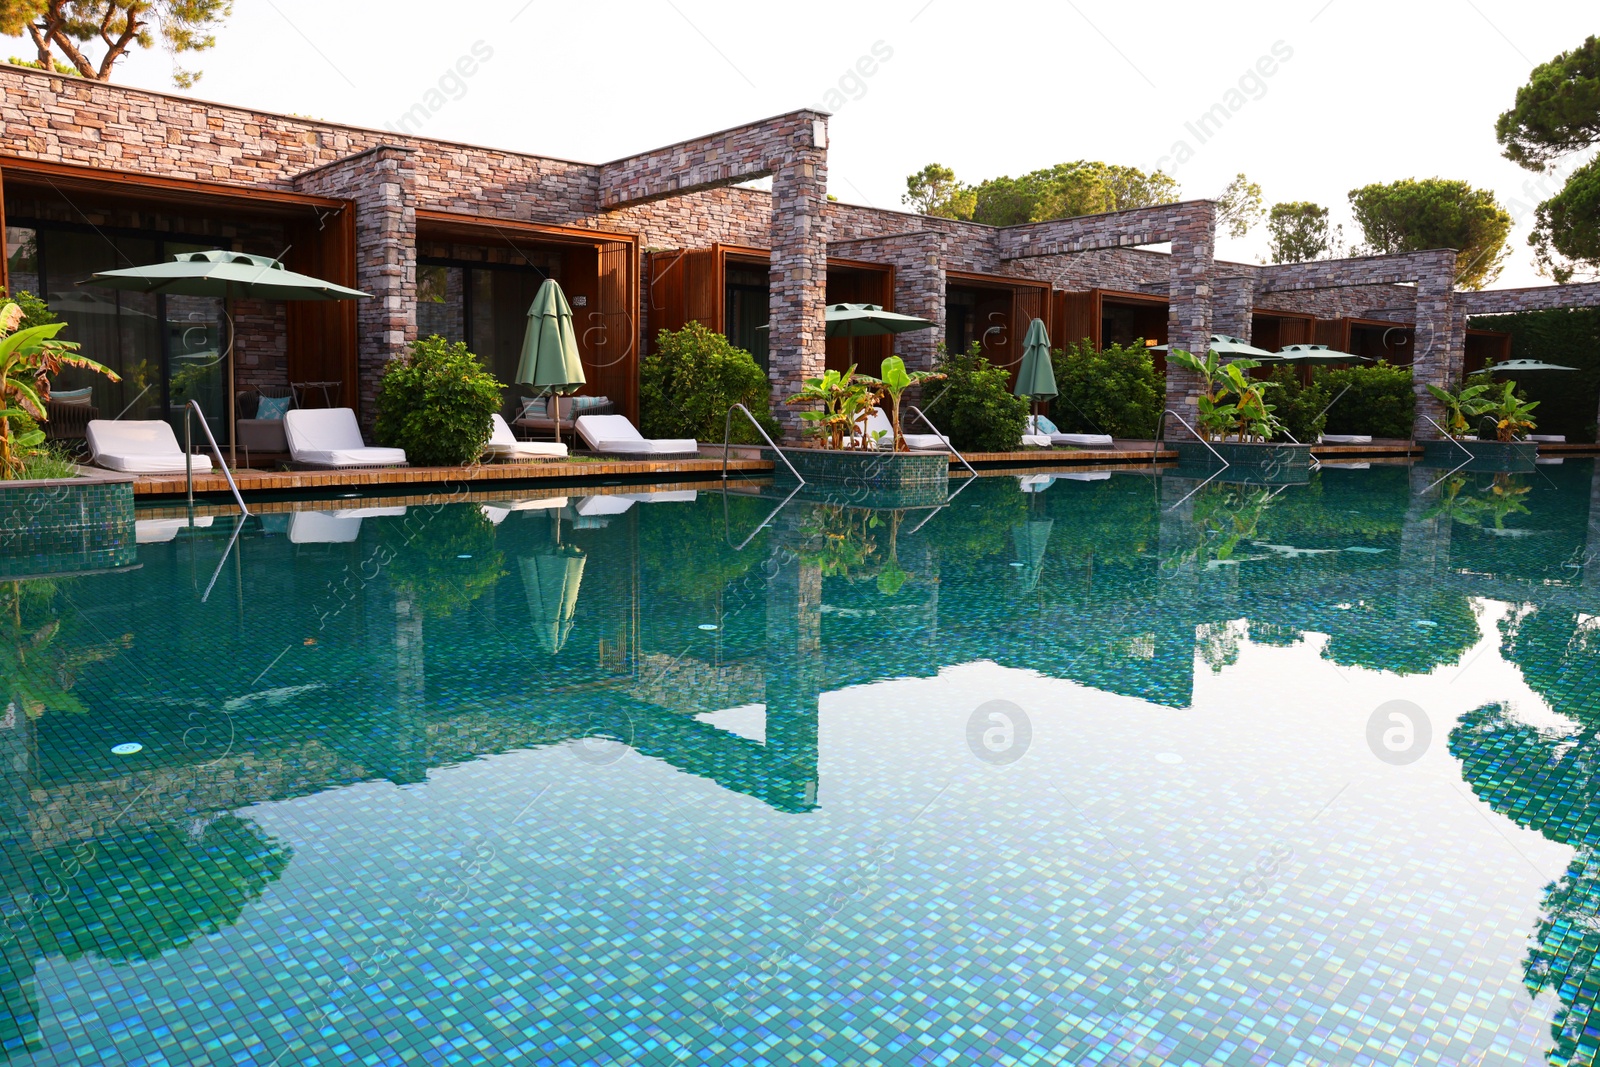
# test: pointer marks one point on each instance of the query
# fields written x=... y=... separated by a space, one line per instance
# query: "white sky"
x=1374 y=91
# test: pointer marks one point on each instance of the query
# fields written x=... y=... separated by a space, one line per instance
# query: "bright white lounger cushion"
x=1549 y=438
x=1346 y=439
x=504 y=444
x=878 y=423
x=139 y=447
x=1036 y=440
x=614 y=433
x=329 y=437
x=1082 y=440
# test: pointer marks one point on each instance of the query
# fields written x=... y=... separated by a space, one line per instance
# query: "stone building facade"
x=94 y=143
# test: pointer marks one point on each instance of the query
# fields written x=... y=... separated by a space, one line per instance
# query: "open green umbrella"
x=1036 y=378
x=1312 y=355
x=550 y=348
x=218 y=272
x=866 y=320
x=1232 y=348
x=1523 y=365
x=551 y=581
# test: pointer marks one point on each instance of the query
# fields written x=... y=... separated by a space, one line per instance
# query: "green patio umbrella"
x=1031 y=539
x=551 y=581
x=550 y=348
x=230 y=276
x=1232 y=348
x=866 y=320
x=1036 y=378
x=1522 y=366
x=1312 y=355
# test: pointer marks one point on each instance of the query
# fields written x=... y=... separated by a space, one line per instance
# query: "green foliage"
x=1557 y=112
x=1239 y=206
x=1512 y=414
x=1299 y=231
x=1411 y=215
x=1569 y=338
x=1462 y=407
x=35 y=312
x=446 y=557
x=693 y=377
x=49 y=461
x=1082 y=187
x=1379 y=401
x=1233 y=404
x=29 y=358
x=1114 y=390
x=894 y=383
x=1566 y=230
x=846 y=403
x=435 y=403
x=178 y=26
x=976 y=408
x=1299 y=406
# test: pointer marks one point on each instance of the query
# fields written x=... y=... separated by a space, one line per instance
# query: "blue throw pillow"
x=272 y=408
x=79 y=397
x=534 y=408
x=580 y=404
x=1045 y=425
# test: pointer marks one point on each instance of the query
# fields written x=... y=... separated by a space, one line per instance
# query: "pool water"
x=1124 y=769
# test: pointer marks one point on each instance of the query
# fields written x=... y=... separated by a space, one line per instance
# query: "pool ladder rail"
x=191 y=409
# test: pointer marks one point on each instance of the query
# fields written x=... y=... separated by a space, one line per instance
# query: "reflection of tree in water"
x=40 y=664
x=135 y=894
x=1502 y=498
x=1405 y=632
x=446 y=558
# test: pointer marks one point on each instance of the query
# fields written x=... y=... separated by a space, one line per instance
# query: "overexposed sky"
x=1370 y=91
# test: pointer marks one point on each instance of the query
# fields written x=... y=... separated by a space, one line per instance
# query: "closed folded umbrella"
x=550 y=349
x=551 y=582
x=1036 y=378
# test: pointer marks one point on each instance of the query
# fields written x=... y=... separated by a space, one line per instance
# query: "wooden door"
x=608 y=333
x=1077 y=319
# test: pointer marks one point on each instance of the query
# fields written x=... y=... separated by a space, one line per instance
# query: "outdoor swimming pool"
x=1127 y=770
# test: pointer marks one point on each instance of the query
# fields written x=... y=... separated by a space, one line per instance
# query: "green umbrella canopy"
x=1036 y=378
x=550 y=345
x=867 y=320
x=230 y=275
x=1315 y=354
x=1232 y=348
x=1031 y=540
x=551 y=582
x=1523 y=365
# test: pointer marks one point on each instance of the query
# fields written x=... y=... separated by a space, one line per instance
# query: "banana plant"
x=1460 y=407
x=1233 y=402
x=28 y=360
x=893 y=384
x=1512 y=415
x=847 y=402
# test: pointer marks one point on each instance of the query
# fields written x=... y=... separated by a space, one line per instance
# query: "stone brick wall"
x=1189 y=326
x=382 y=185
x=724 y=158
x=919 y=284
x=1537 y=298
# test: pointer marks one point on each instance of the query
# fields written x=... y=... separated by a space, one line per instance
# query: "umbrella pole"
x=231 y=399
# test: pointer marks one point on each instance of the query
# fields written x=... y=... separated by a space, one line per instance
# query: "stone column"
x=919 y=289
x=799 y=271
x=1231 y=306
x=1440 y=340
x=382 y=184
x=1189 y=307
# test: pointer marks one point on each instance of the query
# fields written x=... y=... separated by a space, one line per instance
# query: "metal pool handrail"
x=1446 y=435
x=193 y=407
x=1161 y=435
x=923 y=416
x=727 y=435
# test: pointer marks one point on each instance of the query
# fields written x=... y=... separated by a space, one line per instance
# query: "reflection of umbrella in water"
x=551 y=580
x=1031 y=539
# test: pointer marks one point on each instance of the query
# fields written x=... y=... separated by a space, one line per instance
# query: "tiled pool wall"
x=870 y=479
x=64 y=527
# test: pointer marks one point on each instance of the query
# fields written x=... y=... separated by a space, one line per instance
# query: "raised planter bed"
x=1496 y=457
x=1265 y=463
x=870 y=479
x=67 y=525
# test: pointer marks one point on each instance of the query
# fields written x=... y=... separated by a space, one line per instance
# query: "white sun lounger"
x=1548 y=438
x=878 y=422
x=333 y=527
x=503 y=444
x=1044 y=427
x=667 y=496
x=160 y=531
x=614 y=434
x=139 y=447
x=329 y=437
x=1347 y=439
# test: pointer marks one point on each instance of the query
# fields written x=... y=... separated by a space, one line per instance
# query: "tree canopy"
x=1065 y=190
x=1299 y=231
x=1239 y=206
x=1411 y=215
x=72 y=26
x=1556 y=114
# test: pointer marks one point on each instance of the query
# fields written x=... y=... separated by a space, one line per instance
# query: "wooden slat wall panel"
x=608 y=333
x=1076 y=319
x=1027 y=303
x=320 y=345
x=668 y=307
x=703 y=281
x=1335 y=333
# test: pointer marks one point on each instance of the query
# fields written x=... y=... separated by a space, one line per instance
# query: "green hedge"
x=435 y=402
x=974 y=404
x=1570 y=338
x=1380 y=401
x=1299 y=406
x=1115 y=390
x=693 y=377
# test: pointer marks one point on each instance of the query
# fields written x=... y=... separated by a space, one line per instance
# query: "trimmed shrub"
x=1114 y=390
x=1298 y=407
x=974 y=405
x=1380 y=401
x=1568 y=338
x=693 y=377
x=436 y=403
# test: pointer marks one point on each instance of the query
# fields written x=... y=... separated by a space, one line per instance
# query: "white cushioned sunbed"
x=139 y=447
x=878 y=423
x=616 y=435
x=1346 y=439
x=1038 y=424
x=330 y=437
x=503 y=444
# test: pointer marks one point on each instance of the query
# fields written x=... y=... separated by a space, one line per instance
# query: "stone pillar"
x=799 y=270
x=1189 y=307
x=1233 y=300
x=382 y=184
x=1441 y=340
x=919 y=289
x=793 y=673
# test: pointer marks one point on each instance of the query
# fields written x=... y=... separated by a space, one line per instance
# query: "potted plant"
x=1236 y=423
x=1464 y=408
x=850 y=462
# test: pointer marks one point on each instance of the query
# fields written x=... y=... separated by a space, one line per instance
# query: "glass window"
x=441 y=302
x=22 y=259
x=747 y=308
